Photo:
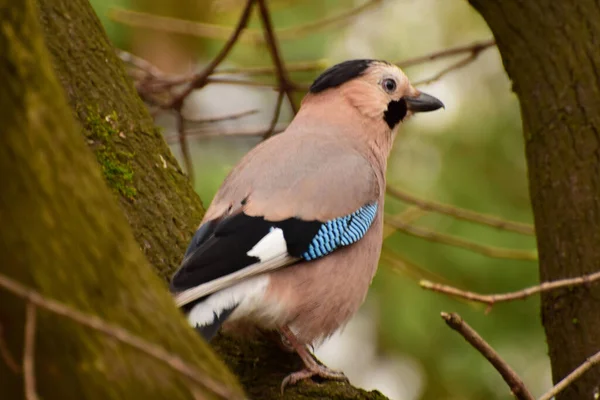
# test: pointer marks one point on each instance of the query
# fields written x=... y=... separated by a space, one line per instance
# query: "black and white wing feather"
x=236 y=247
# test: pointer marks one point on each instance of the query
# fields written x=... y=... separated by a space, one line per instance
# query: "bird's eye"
x=389 y=85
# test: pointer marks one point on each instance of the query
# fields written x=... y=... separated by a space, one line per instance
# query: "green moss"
x=115 y=162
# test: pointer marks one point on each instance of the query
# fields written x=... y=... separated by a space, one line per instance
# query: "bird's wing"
x=275 y=209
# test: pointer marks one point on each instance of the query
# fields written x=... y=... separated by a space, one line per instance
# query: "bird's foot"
x=312 y=367
x=310 y=371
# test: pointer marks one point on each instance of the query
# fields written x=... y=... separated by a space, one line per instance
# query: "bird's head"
x=379 y=90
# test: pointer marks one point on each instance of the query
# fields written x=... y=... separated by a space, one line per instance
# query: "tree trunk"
x=64 y=236
x=157 y=198
x=550 y=50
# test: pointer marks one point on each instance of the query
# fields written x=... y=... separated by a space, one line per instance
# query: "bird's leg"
x=311 y=367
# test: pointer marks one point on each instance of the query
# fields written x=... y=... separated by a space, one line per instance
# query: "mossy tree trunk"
x=64 y=236
x=551 y=51
x=137 y=164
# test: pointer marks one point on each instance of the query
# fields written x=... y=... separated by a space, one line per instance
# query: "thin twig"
x=303 y=66
x=489 y=251
x=5 y=354
x=180 y=26
x=200 y=81
x=452 y=67
x=461 y=213
x=199 y=134
x=315 y=26
x=241 y=82
x=212 y=31
x=476 y=47
x=513 y=380
x=275 y=118
x=400 y=265
x=120 y=334
x=184 y=146
x=282 y=75
x=29 y=353
x=318 y=65
x=201 y=78
x=572 y=377
x=491 y=299
x=228 y=117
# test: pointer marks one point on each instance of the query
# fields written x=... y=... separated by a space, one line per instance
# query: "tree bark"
x=64 y=236
x=156 y=197
x=550 y=51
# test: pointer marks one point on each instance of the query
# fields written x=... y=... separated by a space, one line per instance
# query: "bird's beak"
x=423 y=103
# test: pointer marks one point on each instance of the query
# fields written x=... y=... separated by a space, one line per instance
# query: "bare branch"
x=275 y=118
x=201 y=78
x=473 y=48
x=282 y=75
x=461 y=213
x=491 y=299
x=318 y=65
x=196 y=134
x=122 y=335
x=29 y=353
x=304 y=66
x=452 y=67
x=334 y=20
x=212 y=31
x=513 y=380
x=199 y=81
x=184 y=146
x=572 y=377
x=5 y=354
x=222 y=118
x=180 y=26
x=489 y=251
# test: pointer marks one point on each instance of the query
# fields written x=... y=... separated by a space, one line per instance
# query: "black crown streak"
x=339 y=74
x=396 y=111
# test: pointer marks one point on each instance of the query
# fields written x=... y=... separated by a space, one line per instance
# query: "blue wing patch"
x=340 y=232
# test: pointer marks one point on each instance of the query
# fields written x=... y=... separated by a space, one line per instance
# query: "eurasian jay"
x=291 y=240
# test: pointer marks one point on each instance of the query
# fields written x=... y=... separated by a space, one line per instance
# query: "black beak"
x=423 y=103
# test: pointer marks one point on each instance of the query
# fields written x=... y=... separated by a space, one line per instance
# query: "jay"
x=291 y=240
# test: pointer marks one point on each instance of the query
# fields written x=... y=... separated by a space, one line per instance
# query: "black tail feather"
x=209 y=331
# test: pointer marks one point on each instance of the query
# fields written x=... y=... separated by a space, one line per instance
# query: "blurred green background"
x=470 y=155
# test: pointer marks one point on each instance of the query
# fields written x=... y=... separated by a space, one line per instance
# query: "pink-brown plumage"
x=329 y=163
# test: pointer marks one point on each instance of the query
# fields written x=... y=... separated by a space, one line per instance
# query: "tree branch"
x=315 y=26
x=491 y=299
x=462 y=213
x=572 y=377
x=513 y=380
x=122 y=335
x=29 y=353
x=489 y=251
x=275 y=118
x=473 y=48
x=5 y=354
x=282 y=76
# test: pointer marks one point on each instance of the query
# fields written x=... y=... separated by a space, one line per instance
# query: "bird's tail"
x=205 y=318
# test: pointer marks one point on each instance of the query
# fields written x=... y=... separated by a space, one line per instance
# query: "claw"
x=312 y=368
x=317 y=370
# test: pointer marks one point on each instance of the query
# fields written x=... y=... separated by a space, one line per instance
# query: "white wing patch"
x=189 y=295
x=247 y=296
x=270 y=246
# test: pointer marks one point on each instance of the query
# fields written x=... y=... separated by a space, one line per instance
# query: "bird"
x=291 y=240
